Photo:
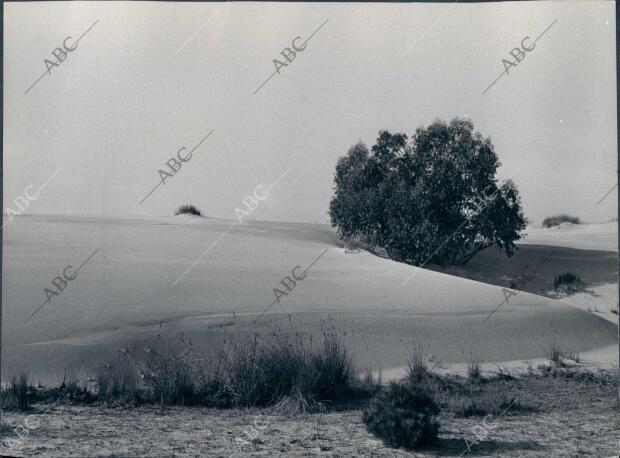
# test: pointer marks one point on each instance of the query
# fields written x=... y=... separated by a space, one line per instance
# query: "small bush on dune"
x=403 y=415
x=556 y=220
x=568 y=283
x=187 y=210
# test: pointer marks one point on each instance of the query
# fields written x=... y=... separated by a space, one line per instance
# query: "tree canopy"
x=432 y=196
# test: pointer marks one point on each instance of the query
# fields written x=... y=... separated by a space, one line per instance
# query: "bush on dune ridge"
x=187 y=209
x=556 y=220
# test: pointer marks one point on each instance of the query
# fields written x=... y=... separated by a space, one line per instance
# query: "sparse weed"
x=474 y=372
x=558 y=355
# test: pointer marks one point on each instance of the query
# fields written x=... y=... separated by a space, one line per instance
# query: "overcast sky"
x=150 y=78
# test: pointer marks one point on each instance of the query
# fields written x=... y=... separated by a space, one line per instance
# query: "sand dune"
x=126 y=294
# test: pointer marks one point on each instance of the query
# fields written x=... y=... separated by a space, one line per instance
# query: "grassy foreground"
x=291 y=397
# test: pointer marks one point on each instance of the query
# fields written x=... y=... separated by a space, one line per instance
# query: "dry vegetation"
x=556 y=220
x=284 y=395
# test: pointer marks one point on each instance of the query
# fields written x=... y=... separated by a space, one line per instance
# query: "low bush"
x=187 y=210
x=556 y=220
x=568 y=283
x=557 y=355
x=403 y=415
x=18 y=394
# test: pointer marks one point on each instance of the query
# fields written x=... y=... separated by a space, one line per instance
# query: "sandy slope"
x=593 y=236
x=125 y=295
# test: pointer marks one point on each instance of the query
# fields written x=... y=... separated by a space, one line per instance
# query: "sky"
x=150 y=78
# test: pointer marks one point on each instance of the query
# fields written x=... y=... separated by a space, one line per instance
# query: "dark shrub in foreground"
x=187 y=210
x=568 y=282
x=18 y=394
x=403 y=415
x=556 y=220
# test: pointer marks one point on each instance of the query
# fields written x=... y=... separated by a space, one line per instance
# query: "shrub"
x=353 y=245
x=568 y=283
x=556 y=220
x=403 y=415
x=18 y=394
x=187 y=209
x=119 y=384
x=417 y=365
x=473 y=369
x=244 y=372
x=435 y=196
x=263 y=371
x=557 y=355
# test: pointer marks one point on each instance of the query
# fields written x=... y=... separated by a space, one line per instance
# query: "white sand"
x=125 y=295
x=593 y=236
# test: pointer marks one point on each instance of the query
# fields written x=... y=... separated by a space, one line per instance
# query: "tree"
x=434 y=198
